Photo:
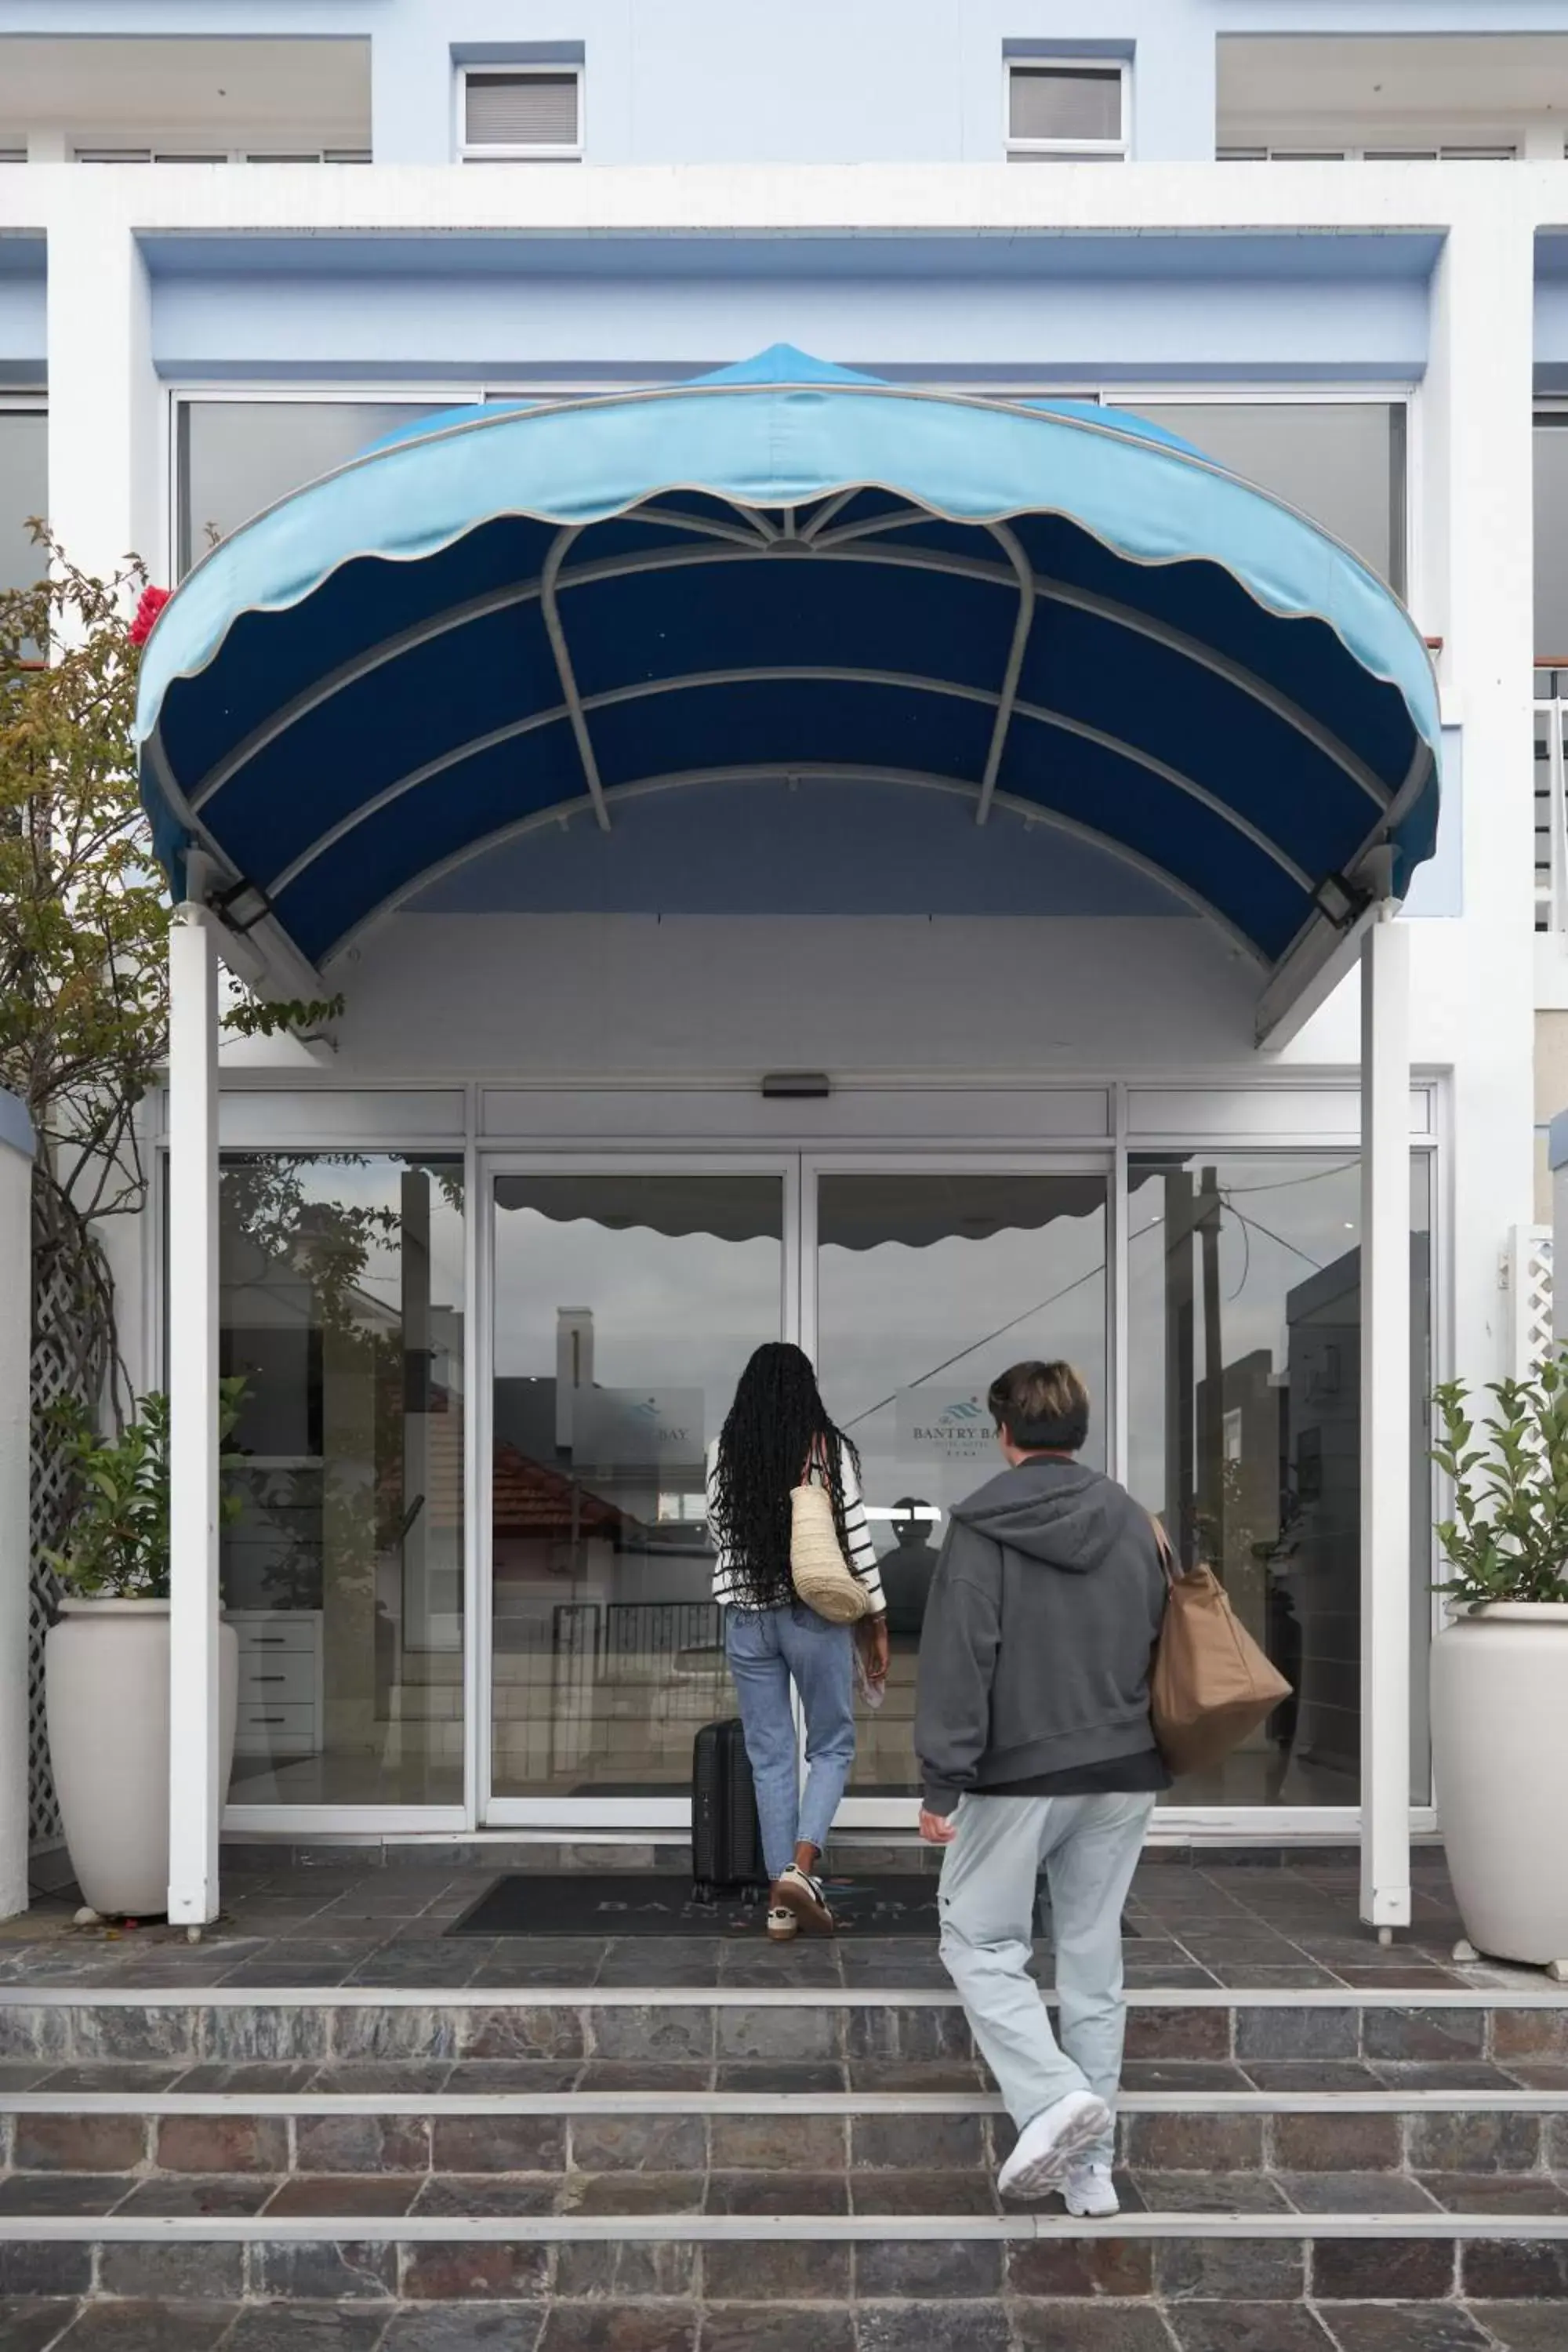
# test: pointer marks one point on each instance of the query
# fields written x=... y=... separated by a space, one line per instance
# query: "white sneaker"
x=1089 y=2192
x=1048 y=2146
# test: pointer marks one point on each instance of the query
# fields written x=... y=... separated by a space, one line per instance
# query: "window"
x=512 y=116
x=1067 y=113
x=236 y=457
x=1342 y=462
x=24 y=492
x=1551 y=538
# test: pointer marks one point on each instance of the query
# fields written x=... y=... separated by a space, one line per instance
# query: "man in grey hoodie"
x=1032 y=1727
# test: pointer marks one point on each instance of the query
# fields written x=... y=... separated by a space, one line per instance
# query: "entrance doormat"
x=660 y=1903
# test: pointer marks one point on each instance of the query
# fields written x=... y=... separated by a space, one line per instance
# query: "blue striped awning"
x=503 y=615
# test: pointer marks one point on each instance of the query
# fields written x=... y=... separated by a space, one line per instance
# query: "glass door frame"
x=573 y=1816
x=864 y=1813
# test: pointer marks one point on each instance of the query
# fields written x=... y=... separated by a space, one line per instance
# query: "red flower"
x=152 y=602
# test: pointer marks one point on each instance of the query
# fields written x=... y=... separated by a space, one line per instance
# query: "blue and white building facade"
x=791 y=1047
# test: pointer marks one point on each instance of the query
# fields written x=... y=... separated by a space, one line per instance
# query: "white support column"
x=105 y=402
x=1385 y=1375
x=195 y=1797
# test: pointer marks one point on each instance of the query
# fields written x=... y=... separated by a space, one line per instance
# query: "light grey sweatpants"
x=1090 y=1848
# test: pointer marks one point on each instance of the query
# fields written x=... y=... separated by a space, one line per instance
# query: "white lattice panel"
x=62 y=1339
x=1527 y=1278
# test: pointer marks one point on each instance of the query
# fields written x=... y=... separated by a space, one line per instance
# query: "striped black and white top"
x=861 y=1552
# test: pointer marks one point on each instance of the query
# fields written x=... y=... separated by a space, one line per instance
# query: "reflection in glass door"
x=926 y=1286
x=626 y=1303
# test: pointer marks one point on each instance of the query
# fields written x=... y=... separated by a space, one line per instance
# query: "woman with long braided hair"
x=777 y=1435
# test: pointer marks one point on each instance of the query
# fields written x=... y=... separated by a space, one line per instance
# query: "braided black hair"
x=775 y=1427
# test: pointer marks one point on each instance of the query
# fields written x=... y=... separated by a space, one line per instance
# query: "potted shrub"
x=1500 y=1667
x=106 y=1661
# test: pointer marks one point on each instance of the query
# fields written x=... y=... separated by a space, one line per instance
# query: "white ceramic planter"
x=1500 y=1752
x=106 y=1688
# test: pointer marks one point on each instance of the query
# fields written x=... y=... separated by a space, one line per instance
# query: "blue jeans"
x=1089 y=1847
x=768 y=1650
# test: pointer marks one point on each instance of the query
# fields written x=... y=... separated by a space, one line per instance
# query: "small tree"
x=83 y=932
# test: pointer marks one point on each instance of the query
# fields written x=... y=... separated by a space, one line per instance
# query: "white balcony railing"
x=1552 y=801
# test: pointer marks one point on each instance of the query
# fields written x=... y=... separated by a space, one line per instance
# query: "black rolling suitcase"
x=726 y=1836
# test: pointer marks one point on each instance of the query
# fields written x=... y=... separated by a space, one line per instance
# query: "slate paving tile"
x=151 y=2273
x=1457 y=2074
x=909 y=2191
x=641 y=2192
x=193 y=2194
x=462 y=2327
x=1080 y=2267
x=1472 y=2192
x=765 y=2328
x=1311 y=2075
x=29 y=2326
x=1248 y=2328
x=1354 y=2192
x=435 y=2270
x=1514 y=2326
x=629 y=2327
x=62 y=2192
x=1402 y=2328
x=777 y=2271
x=494 y=2194
x=1232 y=2270
x=1186 y=2075
x=1066 y=2327
x=150 y=2328
x=1403 y=2270
x=359 y=2195
x=774 y=2192
x=1209 y=2192
x=931 y=2327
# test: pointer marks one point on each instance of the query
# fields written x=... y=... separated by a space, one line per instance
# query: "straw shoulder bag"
x=822 y=1577
x=1211 y=1684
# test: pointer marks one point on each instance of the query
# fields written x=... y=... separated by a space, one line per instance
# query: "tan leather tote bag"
x=1210 y=1685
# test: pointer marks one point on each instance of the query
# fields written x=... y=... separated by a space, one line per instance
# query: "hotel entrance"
x=625 y=1301
x=624 y=1297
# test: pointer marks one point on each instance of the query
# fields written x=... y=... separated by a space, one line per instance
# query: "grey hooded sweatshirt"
x=1038 y=1634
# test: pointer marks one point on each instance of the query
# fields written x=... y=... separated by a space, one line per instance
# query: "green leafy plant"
x=1508 y=1539
x=117 y=1547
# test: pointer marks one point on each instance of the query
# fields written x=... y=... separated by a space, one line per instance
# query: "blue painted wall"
x=1044 y=330
x=710 y=81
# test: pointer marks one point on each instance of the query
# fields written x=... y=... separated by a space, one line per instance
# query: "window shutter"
x=521 y=110
x=1065 y=103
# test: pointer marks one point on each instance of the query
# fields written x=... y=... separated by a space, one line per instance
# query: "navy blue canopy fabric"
x=501 y=617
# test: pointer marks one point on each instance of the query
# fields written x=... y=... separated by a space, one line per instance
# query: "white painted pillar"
x=106 y=405
x=15 y=1531
x=1385 y=1375
x=195 y=1796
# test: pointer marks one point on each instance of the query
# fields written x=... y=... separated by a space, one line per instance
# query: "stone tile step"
x=349 y=2138
x=751 y=2184
x=931 y=2282
x=565 y=2323
x=793 y=2023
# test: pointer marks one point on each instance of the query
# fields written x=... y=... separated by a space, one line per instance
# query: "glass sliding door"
x=923 y=1285
x=1244 y=1304
x=625 y=1302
